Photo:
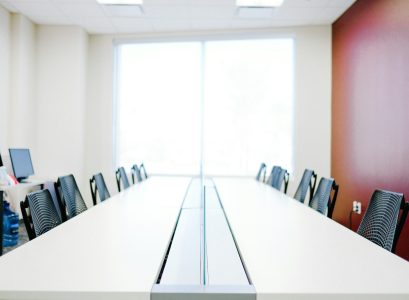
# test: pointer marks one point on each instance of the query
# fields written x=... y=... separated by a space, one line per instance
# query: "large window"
x=158 y=107
x=226 y=105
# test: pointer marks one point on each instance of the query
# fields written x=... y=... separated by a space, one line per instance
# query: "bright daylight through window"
x=227 y=103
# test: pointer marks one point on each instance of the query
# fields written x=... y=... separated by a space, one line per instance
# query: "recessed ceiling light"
x=259 y=3
x=120 y=2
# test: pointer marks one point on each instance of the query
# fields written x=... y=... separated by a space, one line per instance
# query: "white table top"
x=183 y=263
x=293 y=252
x=111 y=251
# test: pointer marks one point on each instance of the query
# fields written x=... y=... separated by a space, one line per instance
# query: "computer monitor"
x=21 y=162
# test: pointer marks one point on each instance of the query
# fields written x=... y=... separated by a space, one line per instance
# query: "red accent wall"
x=370 y=105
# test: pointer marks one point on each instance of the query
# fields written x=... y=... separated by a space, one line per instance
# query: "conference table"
x=183 y=238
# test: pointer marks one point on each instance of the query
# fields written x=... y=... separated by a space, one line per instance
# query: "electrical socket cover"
x=357 y=207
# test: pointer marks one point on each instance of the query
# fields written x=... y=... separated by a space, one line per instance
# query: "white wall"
x=312 y=137
x=43 y=92
x=4 y=77
x=99 y=121
x=61 y=74
x=22 y=121
x=312 y=140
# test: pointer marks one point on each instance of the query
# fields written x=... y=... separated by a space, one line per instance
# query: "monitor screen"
x=21 y=162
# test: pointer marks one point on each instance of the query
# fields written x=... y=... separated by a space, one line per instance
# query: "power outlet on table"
x=357 y=207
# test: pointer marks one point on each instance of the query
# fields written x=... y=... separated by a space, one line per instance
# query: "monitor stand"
x=23 y=180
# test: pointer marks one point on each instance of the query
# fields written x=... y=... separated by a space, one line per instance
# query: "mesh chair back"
x=307 y=183
x=280 y=177
x=28 y=221
x=51 y=187
x=98 y=188
x=136 y=173
x=261 y=171
x=121 y=177
x=43 y=211
x=143 y=170
x=71 y=196
x=321 y=201
x=275 y=172
x=380 y=221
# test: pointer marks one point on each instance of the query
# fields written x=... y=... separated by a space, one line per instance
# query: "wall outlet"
x=357 y=207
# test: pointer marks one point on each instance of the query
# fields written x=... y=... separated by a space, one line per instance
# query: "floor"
x=22 y=239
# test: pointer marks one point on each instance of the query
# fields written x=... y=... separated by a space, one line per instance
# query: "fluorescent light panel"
x=120 y=2
x=259 y=3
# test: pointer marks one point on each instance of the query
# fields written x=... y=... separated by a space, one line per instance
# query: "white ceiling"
x=176 y=15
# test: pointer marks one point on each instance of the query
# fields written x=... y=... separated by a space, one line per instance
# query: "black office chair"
x=121 y=176
x=274 y=174
x=278 y=176
x=136 y=173
x=307 y=183
x=72 y=203
x=39 y=213
x=262 y=170
x=381 y=223
x=98 y=188
x=283 y=177
x=321 y=201
x=143 y=170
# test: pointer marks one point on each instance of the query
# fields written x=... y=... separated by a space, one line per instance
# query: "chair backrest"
x=143 y=170
x=307 y=183
x=121 y=177
x=380 y=223
x=136 y=173
x=321 y=201
x=278 y=177
x=98 y=188
x=51 y=186
x=27 y=219
x=72 y=201
x=274 y=174
x=262 y=171
x=44 y=215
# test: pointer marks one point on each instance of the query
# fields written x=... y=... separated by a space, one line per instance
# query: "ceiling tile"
x=251 y=23
x=124 y=11
x=160 y=25
x=37 y=7
x=341 y=3
x=9 y=6
x=297 y=13
x=255 y=13
x=212 y=11
x=79 y=9
x=167 y=11
x=205 y=24
x=50 y=19
x=168 y=2
x=128 y=25
x=306 y=3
